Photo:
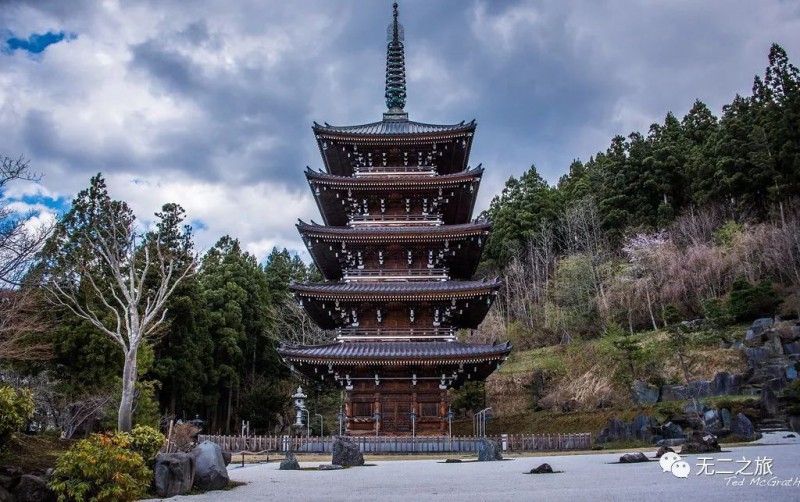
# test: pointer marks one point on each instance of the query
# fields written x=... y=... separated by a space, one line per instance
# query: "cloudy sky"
x=210 y=103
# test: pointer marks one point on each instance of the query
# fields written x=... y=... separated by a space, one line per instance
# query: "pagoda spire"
x=395 y=72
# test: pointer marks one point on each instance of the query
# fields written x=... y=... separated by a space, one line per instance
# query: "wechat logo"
x=671 y=462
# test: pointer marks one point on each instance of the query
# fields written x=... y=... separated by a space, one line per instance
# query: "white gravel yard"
x=584 y=477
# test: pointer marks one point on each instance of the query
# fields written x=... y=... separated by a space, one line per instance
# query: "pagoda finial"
x=395 y=71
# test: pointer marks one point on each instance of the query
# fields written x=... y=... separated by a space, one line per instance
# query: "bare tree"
x=294 y=327
x=103 y=270
x=20 y=313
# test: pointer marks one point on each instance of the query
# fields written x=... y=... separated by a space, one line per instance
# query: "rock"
x=742 y=426
x=701 y=442
x=174 y=474
x=712 y=419
x=346 y=453
x=226 y=456
x=773 y=343
x=289 y=463
x=645 y=393
x=791 y=373
x=632 y=458
x=796 y=330
x=737 y=345
x=642 y=427
x=616 y=430
x=699 y=388
x=697 y=408
x=329 y=467
x=671 y=442
x=488 y=451
x=725 y=384
x=725 y=416
x=33 y=489
x=9 y=482
x=755 y=356
x=662 y=450
x=671 y=430
x=763 y=323
x=769 y=402
x=791 y=349
x=5 y=495
x=674 y=393
x=210 y=472
x=542 y=469
x=453 y=461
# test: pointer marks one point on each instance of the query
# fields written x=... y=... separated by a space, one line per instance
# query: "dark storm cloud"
x=223 y=95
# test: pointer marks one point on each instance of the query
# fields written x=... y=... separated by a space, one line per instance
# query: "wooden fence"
x=402 y=444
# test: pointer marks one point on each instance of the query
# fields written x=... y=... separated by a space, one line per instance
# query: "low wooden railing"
x=395 y=219
x=395 y=333
x=403 y=444
x=395 y=274
x=384 y=170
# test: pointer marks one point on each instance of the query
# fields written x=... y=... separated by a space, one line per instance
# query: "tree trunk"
x=125 y=419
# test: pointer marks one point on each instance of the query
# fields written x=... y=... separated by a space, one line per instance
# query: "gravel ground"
x=585 y=477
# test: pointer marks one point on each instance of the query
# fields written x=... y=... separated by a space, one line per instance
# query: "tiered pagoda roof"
x=399 y=250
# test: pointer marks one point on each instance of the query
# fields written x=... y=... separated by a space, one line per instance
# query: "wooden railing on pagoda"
x=439 y=274
x=396 y=219
x=401 y=444
x=395 y=333
x=393 y=170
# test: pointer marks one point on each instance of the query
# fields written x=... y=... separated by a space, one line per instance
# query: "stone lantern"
x=299 y=406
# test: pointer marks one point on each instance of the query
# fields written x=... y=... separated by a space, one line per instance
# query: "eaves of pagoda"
x=332 y=193
x=322 y=300
x=328 y=245
x=339 y=144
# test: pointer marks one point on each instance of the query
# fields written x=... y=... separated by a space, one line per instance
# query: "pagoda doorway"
x=395 y=418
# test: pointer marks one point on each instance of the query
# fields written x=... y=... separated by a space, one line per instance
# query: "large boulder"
x=33 y=489
x=488 y=451
x=725 y=416
x=633 y=458
x=773 y=343
x=791 y=349
x=289 y=463
x=701 y=442
x=674 y=393
x=742 y=426
x=725 y=384
x=645 y=393
x=616 y=430
x=756 y=356
x=671 y=430
x=346 y=453
x=210 y=472
x=769 y=401
x=174 y=474
x=642 y=427
x=662 y=450
x=712 y=419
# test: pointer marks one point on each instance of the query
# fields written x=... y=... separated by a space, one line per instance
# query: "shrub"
x=747 y=301
x=184 y=436
x=16 y=407
x=101 y=468
x=146 y=441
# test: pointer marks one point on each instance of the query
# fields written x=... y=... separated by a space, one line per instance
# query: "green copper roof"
x=395 y=71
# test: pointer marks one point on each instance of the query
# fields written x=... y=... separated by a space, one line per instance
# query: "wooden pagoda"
x=398 y=250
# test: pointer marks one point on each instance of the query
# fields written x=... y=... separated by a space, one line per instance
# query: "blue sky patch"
x=36 y=43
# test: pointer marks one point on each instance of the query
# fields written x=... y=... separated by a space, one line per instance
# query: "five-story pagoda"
x=398 y=249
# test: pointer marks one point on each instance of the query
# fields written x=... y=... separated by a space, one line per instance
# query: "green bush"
x=101 y=468
x=747 y=301
x=146 y=441
x=16 y=407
